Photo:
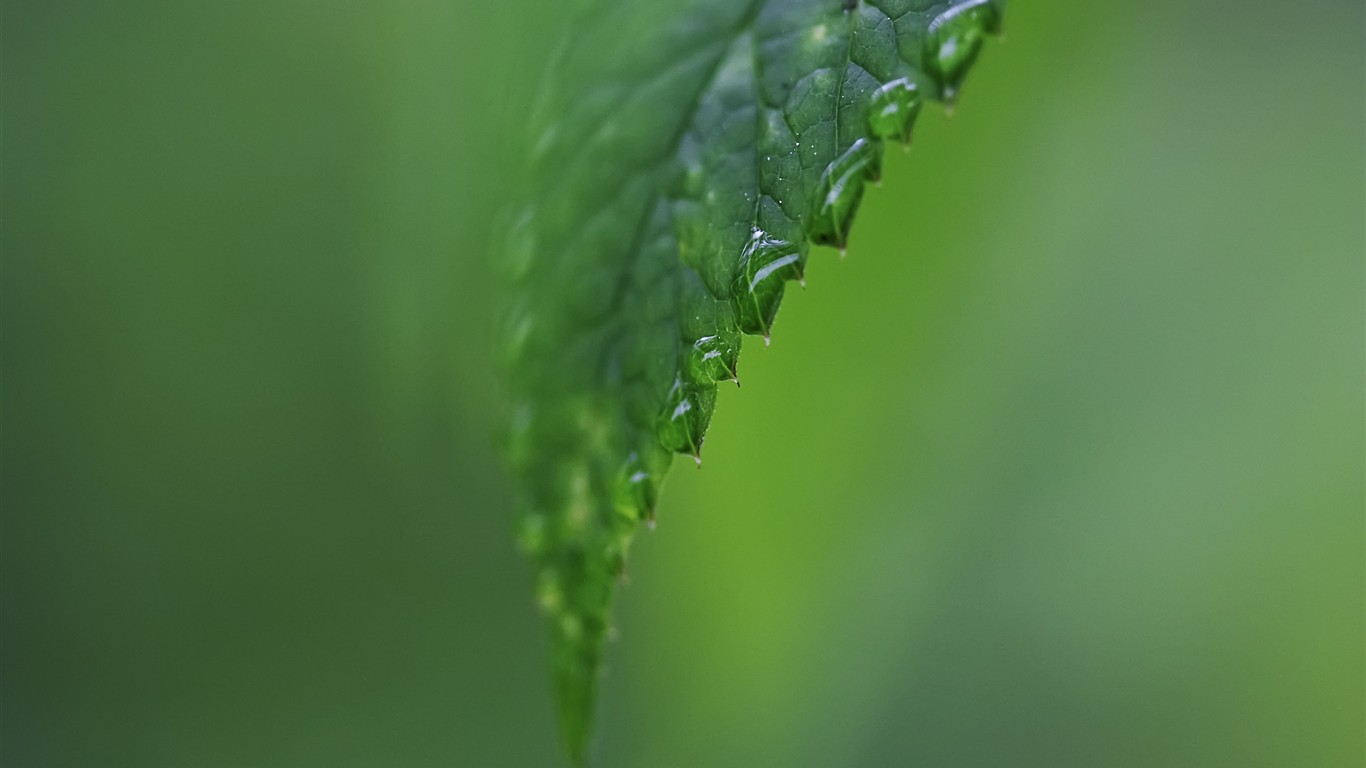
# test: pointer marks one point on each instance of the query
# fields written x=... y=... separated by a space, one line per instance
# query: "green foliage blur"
x=1063 y=466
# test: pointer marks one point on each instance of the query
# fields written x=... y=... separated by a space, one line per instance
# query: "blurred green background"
x=1063 y=466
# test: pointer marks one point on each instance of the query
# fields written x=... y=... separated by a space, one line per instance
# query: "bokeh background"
x=1063 y=466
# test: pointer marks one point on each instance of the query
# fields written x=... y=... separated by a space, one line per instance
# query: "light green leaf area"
x=684 y=156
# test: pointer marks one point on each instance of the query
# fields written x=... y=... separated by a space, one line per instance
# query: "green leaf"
x=684 y=155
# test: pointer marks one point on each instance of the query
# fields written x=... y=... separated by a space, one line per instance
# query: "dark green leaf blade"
x=683 y=156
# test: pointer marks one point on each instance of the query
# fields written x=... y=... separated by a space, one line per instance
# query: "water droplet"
x=765 y=263
x=615 y=557
x=636 y=488
x=687 y=411
x=841 y=189
x=714 y=358
x=955 y=38
x=893 y=110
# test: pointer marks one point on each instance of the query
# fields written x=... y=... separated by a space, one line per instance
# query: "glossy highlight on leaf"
x=684 y=156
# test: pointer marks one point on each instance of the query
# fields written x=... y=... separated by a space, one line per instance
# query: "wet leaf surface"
x=684 y=157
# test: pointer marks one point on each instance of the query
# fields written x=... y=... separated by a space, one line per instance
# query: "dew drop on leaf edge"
x=766 y=263
x=893 y=109
x=841 y=189
x=956 y=36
